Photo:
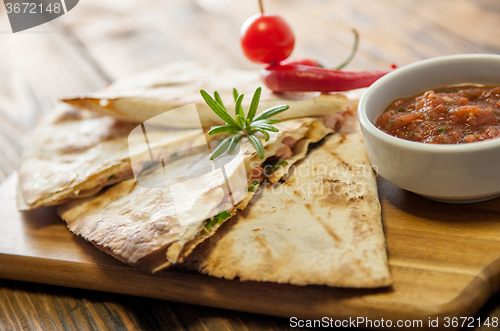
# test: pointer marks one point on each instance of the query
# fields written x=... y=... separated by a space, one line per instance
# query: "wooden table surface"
x=101 y=41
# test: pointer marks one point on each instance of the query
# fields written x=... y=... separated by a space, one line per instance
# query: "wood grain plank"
x=10 y=317
x=56 y=308
x=33 y=81
x=124 y=44
x=118 y=315
x=471 y=23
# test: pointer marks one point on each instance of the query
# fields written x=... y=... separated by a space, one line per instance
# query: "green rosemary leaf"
x=240 y=120
x=266 y=121
x=271 y=112
x=235 y=94
x=233 y=143
x=221 y=148
x=219 y=100
x=257 y=144
x=218 y=110
x=254 y=105
x=264 y=132
x=266 y=127
x=237 y=108
x=223 y=129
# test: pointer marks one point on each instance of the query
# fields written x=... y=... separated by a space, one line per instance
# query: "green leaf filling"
x=280 y=163
x=218 y=219
x=253 y=185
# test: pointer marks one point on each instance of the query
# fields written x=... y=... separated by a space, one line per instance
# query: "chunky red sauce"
x=452 y=115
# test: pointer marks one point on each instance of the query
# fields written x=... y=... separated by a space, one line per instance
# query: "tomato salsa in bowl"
x=431 y=127
x=451 y=115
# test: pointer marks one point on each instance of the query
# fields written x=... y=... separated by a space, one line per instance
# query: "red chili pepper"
x=303 y=61
x=303 y=78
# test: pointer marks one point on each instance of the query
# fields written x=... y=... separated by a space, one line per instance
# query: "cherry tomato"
x=266 y=38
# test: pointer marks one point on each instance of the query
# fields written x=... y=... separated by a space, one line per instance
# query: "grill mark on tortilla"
x=362 y=231
x=206 y=247
x=330 y=232
x=298 y=193
x=337 y=157
x=262 y=243
x=334 y=198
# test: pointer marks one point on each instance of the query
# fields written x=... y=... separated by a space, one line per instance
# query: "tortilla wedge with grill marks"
x=155 y=227
x=322 y=226
x=143 y=96
x=75 y=153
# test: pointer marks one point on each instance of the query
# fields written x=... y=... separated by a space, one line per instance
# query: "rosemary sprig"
x=242 y=126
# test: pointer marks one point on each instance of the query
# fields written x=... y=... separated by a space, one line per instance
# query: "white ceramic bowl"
x=449 y=173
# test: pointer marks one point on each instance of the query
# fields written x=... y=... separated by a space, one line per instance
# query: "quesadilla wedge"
x=155 y=227
x=75 y=153
x=143 y=96
x=322 y=226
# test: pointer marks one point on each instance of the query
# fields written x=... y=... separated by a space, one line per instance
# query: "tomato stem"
x=261 y=7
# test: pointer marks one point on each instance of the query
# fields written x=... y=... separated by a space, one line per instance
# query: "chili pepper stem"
x=261 y=7
x=353 y=50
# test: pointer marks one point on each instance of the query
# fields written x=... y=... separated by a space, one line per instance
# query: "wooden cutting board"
x=445 y=262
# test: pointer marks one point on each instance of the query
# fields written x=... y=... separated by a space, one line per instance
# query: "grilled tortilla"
x=322 y=226
x=74 y=154
x=143 y=96
x=154 y=228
